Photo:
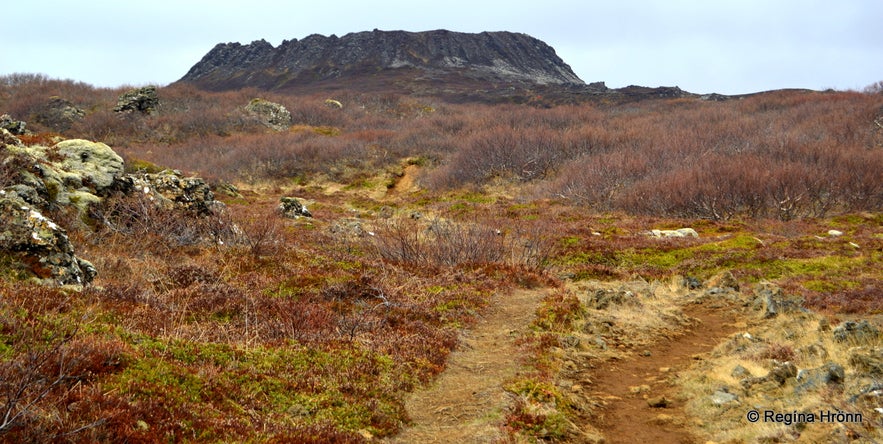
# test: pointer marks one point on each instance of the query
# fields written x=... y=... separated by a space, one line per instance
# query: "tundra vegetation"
x=314 y=329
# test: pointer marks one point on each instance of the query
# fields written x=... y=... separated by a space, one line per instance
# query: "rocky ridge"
x=488 y=56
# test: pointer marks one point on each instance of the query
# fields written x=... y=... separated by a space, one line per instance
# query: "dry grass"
x=288 y=330
x=814 y=347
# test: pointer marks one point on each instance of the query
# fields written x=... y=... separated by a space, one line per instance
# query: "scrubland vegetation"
x=313 y=330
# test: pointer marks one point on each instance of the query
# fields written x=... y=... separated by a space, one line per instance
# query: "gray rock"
x=292 y=208
x=600 y=342
x=143 y=100
x=740 y=372
x=15 y=127
x=778 y=375
x=38 y=247
x=171 y=188
x=680 y=232
x=724 y=280
x=828 y=374
x=73 y=172
x=349 y=228
x=782 y=371
x=488 y=56
x=855 y=331
x=602 y=299
x=721 y=397
x=772 y=301
x=272 y=115
x=95 y=163
x=692 y=283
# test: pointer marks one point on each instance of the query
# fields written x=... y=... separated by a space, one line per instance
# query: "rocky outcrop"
x=171 y=189
x=142 y=100
x=15 y=127
x=34 y=246
x=488 y=56
x=37 y=180
x=773 y=301
x=271 y=114
x=292 y=208
x=73 y=172
x=58 y=113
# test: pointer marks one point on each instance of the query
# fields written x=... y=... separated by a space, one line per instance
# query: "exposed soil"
x=466 y=404
x=626 y=386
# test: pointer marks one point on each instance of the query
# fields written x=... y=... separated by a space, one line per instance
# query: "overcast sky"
x=703 y=46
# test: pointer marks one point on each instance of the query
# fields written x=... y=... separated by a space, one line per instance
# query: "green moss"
x=570 y=241
x=142 y=166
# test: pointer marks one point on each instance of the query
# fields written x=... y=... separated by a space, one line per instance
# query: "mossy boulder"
x=271 y=114
x=38 y=247
x=95 y=162
x=142 y=100
x=73 y=172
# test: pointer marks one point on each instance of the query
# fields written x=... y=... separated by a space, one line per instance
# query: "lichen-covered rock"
x=271 y=114
x=15 y=127
x=38 y=246
x=58 y=114
x=73 y=172
x=96 y=163
x=292 y=208
x=143 y=100
x=7 y=138
x=680 y=232
x=170 y=187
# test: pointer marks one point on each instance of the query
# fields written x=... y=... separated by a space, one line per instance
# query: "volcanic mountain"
x=384 y=57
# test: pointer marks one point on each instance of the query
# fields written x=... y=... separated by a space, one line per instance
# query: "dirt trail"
x=627 y=417
x=466 y=403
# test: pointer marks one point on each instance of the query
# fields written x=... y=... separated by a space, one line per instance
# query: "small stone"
x=835 y=233
x=600 y=343
x=740 y=372
x=721 y=397
x=292 y=208
x=658 y=402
